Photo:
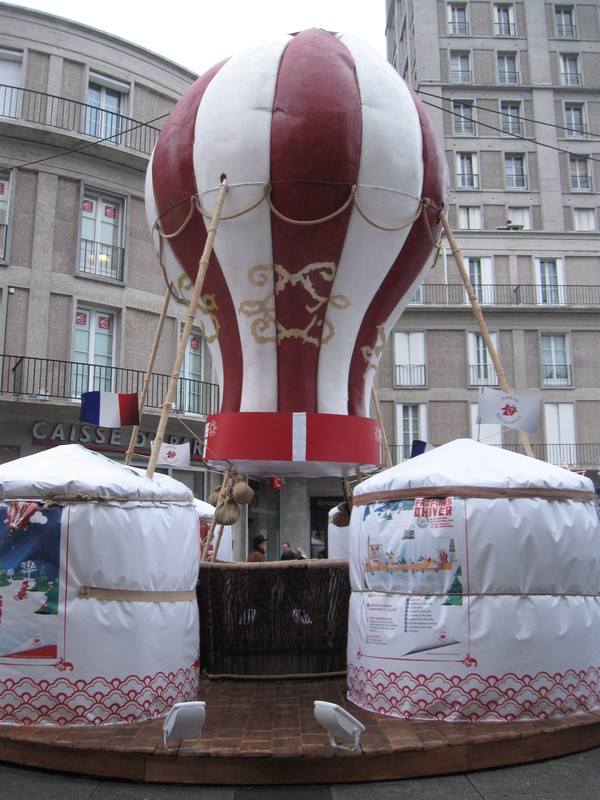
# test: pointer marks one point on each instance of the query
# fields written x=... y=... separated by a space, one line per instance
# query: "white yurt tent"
x=98 y=572
x=475 y=575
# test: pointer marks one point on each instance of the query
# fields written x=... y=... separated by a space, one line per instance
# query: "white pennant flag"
x=521 y=412
x=174 y=455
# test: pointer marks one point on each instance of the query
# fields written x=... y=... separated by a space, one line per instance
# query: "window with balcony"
x=411 y=424
x=460 y=68
x=519 y=215
x=551 y=288
x=106 y=99
x=515 y=176
x=575 y=123
x=467 y=176
x=564 y=21
x=10 y=82
x=584 y=219
x=510 y=119
x=409 y=358
x=556 y=366
x=570 y=72
x=458 y=24
x=463 y=119
x=559 y=423
x=507 y=69
x=4 y=203
x=580 y=175
x=101 y=250
x=482 y=279
x=469 y=218
x=190 y=384
x=504 y=20
x=93 y=351
x=481 y=367
x=485 y=432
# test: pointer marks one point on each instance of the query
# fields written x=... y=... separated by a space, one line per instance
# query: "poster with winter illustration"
x=29 y=582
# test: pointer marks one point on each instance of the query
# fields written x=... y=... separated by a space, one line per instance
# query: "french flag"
x=109 y=410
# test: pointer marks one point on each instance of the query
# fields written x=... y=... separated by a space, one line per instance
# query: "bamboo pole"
x=157 y=336
x=481 y=322
x=217 y=543
x=193 y=306
x=220 y=501
x=384 y=441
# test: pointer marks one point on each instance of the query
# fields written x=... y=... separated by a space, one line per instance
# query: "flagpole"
x=481 y=322
x=193 y=306
x=157 y=336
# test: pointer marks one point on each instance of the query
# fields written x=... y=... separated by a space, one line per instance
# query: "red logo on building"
x=195 y=343
x=88 y=205
x=104 y=323
x=81 y=318
x=110 y=211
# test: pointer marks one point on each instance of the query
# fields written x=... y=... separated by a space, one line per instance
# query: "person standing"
x=287 y=554
x=259 y=547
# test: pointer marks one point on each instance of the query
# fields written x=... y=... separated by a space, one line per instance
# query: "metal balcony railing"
x=3 y=231
x=581 y=182
x=512 y=126
x=456 y=28
x=504 y=28
x=575 y=456
x=461 y=76
x=44 y=378
x=508 y=76
x=571 y=79
x=566 y=31
x=101 y=260
x=411 y=375
x=464 y=127
x=577 y=130
x=516 y=181
x=75 y=117
x=467 y=180
x=503 y=294
x=557 y=375
x=483 y=375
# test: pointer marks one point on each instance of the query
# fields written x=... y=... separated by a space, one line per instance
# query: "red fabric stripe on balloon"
x=407 y=265
x=315 y=155
x=174 y=183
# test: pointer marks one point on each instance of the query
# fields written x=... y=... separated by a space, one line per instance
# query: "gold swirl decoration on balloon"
x=373 y=354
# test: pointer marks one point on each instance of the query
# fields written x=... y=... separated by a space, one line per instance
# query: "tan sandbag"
x=242 y=493
x=227 y=513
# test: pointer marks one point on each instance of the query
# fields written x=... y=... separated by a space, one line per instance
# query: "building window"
x=579 y=169
x=190 y=383
x=575 y=121
x=481 y=367
x=584 y=219
x=507 y=68
x=458 y=24
x=10 y=82
x=559 y=422
x=4 y=203
x=411 y=424
x=417 y=298
x=482 y=279
x=556 y=367
x=106 y=100
x=510 y=117
x=488 y=433
x=514 y=171
x=570 y=74
x=469 y=218
x=409 y=355
x=520 y=215
x=551 y=287
x=464 y=119
x=466 y=171
x=504 y=20
x=564 y=20
x=93 y=352
x=460 y=68
x=101 y=252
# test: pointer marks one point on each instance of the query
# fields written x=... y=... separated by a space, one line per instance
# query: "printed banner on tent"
x=521 y=412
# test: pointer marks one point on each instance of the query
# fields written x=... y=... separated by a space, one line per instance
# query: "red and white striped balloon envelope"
x=331 y=164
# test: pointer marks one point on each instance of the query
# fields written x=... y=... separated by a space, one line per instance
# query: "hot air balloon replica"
x=334 y=182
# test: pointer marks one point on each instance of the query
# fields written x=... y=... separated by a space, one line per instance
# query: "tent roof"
x=465 y=462
x=71 y=470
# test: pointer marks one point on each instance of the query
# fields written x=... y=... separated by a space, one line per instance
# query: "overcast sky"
x=198 y=33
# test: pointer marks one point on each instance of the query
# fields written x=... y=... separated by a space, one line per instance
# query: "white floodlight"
x=184 y=721
x=338 y=722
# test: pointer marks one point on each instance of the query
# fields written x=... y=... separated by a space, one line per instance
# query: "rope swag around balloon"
x=196 y=207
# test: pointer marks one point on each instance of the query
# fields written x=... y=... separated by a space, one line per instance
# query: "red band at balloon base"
x=292 y=443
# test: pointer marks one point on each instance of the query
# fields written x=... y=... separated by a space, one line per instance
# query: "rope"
x=331 y=216
x=266 y=191
x=483 y=492
x=135 y=595
x=383 y=227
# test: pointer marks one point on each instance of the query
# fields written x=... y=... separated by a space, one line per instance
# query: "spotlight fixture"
x=338 y=722
x=184 y=722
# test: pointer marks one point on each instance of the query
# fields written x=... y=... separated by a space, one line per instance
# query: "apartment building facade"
x=513 y=88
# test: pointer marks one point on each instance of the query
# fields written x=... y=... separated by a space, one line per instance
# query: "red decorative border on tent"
x=505 y=698
x=97 y=702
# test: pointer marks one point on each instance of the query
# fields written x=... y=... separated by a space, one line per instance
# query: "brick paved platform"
x=259 y=732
